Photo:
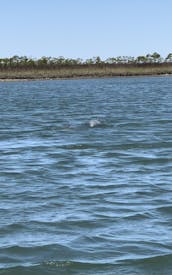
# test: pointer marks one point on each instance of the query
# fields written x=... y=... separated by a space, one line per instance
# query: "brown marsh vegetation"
x=16 y=67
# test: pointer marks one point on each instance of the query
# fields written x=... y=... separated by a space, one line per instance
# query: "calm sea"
x=86 y=177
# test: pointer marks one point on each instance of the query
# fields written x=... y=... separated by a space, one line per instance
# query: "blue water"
x=86 y=177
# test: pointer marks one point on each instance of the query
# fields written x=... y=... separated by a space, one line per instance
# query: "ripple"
x=77 y=199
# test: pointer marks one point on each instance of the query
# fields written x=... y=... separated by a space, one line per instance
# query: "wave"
x=158 y=261
x=158 y=265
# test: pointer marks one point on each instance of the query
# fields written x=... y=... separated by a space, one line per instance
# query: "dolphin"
x=94 y=123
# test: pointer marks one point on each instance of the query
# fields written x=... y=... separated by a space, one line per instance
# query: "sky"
x=85 y=28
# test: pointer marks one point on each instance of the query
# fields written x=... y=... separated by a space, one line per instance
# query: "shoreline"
x=81 y=77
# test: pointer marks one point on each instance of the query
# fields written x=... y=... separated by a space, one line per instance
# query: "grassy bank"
x=85 y=71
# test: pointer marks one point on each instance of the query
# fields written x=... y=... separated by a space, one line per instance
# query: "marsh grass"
x=83 y=71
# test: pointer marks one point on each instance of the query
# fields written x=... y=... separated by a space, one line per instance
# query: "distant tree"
x=141 y=59
x=149 y=58
x=89 y=61
x=119 y=59
x=125 y=59
x=15 y=59
x=42 y=61
x=111 y=60
x=79 y=61
x=31 y=63
x=156 y=57
x=55 y=62
x=131 y=59
x=60 y=60
x=96 y=60
x=168 y=58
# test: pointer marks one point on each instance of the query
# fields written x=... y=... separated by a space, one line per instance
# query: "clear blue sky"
x=85 y=28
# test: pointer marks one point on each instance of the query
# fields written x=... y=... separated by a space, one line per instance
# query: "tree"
x=169 y=58
x=149 y=58
x=141 y=59
x=156 y=57
x=96 y=60
x=110 y=60
x=89 y=61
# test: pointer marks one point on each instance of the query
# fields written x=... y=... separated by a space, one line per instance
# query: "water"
x=78 y=197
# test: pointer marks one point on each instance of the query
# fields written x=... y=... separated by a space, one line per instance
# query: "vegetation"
x=20 y=67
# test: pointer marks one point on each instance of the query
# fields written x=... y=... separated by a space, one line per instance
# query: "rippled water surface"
x=86 y=177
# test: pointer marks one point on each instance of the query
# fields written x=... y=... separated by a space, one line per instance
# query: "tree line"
x=55 y=62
